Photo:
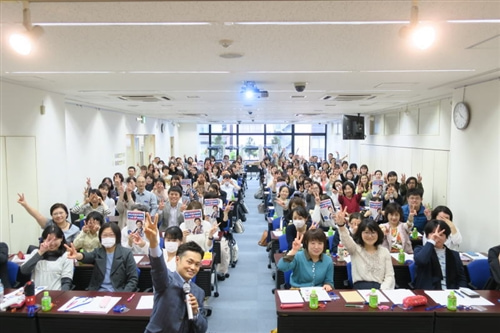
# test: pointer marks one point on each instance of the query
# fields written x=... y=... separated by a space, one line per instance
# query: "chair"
x=276 y=222
x=12 y=270
x=283 y=244
x=412 y=269
x=330 y=242
x=162 y=243
x=348 y=282
x=287 y=274
x=479 y=273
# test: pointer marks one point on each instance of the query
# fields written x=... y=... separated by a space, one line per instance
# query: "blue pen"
x=459 y=294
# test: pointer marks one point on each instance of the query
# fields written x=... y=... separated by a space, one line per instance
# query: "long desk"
x=19 y=321
x=55 y=321
x=335 y=316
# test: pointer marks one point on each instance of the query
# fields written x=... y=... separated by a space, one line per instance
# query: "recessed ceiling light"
x=231 y=55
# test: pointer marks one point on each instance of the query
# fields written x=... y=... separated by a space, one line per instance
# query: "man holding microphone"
x=177 y=300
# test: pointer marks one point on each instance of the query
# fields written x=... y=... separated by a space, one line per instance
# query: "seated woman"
x=396 y=233
x=301 y=221
x=350 y=200
x=49 y=265
x=494 y=261
x=173 y=238
x=87 y=239
x=443 y=213
x=311 y=267
x=281 y=201
x=371 y=262
x=94 y=201
x=438 y=267
x=59 y=214
x=114 y=265
x=353 y=223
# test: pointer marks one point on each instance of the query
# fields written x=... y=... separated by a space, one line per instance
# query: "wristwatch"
x=340 y=225
x=210 y=238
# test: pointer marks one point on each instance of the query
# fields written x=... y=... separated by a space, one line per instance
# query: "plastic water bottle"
x=373 y=299
x=452 y=301
x=313 y=300
x=46 y=301
x=1 y=291
x=330 y=232
x=401 y=256
x=414 y=233
x=340 y=252
x=328 y=252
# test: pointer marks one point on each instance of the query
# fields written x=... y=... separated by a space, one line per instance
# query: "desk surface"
x=336 y=315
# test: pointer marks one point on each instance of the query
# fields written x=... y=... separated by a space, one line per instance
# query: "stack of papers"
x=441 y=297
x=290 y=296
x=352 y=296
x=398 y=295
x=90 y=304
x=322 y=294
x=474 y=255
x=302 y=295
x=365 y=293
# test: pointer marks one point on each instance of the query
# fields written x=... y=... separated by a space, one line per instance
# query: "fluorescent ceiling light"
x=105 y=24
x=299 y=72
x=61 y=72
x=475 y=21
x=318 y=23
x=177 y=72
x=417 y=70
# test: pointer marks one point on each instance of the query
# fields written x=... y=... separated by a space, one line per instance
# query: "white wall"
x=20 y=116
x=474 y=167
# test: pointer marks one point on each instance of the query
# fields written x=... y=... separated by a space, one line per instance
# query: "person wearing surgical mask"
x=114 y=266
x=173 y=238
x=301 y=221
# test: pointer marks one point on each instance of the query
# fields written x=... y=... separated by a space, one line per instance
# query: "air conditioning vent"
x=352 y=98
x=144 y=98
x=195 y=114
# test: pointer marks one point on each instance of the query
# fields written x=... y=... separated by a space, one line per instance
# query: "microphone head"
x=187 y=288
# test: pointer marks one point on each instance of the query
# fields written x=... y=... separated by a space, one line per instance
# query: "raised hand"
x=151 y=230
x=86 y=228
x=341 y=215
x=297 y=242
x=45 y=245
x=88 y=182
x=403 y=178
x=317 y=199
x=419 y=178
x=72 y=253
x=213 y=230
x=22 y=200
x=437 y=234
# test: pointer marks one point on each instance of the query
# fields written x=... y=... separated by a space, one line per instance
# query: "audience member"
x=59 y=214
x=494 y=261
x=310 y=267
x=443 y=213
x=49 y=265
x=438 y=267
x=114 y=265
x=4 y=258
x=415 y=211
x=371 y=262
x=396 y=232
x=88 y=238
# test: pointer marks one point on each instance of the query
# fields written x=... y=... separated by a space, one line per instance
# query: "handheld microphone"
x=187 y=289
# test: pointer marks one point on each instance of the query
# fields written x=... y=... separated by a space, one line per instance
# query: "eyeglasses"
x=369 y=233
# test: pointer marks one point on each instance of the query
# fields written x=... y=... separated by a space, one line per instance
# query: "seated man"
x=438 y=267
x=415 y=211
x=177 y=300
x=494 y=261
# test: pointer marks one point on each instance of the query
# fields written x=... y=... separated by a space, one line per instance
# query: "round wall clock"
x=461 y=115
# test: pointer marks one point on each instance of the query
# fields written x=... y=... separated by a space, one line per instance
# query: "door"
x=18 y=175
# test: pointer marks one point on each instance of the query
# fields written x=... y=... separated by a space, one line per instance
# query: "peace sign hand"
x=297 y=243
x=151 y=230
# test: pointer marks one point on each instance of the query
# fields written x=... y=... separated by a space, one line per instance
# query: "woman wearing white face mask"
x=114 y=265
x=301 y=221
x=173 y=238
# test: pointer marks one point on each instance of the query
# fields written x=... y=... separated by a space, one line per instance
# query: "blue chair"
x=276 y=223
x=12 y=270
x=162 y=243
x=330 y=242
x=283 y=244
x=479 y=273
x=287 y=275
x=412 y=269
x=349 y=275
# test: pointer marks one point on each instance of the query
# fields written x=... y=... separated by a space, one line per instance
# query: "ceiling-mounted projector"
x=250 y=91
